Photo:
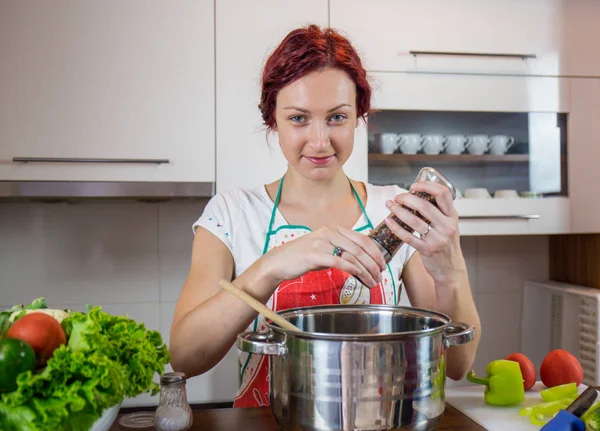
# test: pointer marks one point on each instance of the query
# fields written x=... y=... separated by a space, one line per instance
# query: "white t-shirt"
x=240 y=219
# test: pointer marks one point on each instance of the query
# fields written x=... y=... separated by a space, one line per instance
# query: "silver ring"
x=337 y=251
x=424 y=234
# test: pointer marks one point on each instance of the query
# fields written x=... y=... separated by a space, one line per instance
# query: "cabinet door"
x=423 y=91
x=131 y=83
x=245 y=157
x=584 y=155
x=579 y=56
x=387 y=31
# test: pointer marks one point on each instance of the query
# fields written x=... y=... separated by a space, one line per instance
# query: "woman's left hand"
x=439 y=242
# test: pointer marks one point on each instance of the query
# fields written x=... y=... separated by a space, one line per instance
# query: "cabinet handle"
x=84 y=160
x=502 y=217
x=473 y=54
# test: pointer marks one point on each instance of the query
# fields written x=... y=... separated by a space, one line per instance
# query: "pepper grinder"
x=388 y=243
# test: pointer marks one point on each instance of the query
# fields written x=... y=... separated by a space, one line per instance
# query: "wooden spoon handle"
x=257 y=305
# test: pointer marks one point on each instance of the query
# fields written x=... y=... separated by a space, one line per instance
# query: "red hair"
x=307 y=50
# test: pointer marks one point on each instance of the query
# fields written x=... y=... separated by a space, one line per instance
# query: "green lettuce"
x=106 y=359
x=37 y=304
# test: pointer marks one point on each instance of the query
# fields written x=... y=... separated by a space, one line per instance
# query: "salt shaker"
x=389 y=243
x=173 y=412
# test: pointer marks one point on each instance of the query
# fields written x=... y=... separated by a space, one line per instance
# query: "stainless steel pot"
x=358 y=367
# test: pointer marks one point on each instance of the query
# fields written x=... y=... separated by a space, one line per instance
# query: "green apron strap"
x=362 y=207
x=273 y=213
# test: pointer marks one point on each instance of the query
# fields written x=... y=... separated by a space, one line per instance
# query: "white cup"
x=500 y=144
x=506 y=194
x=478 y=144
x=434 y=144
x=410 y=143
x=477 y=193
x=455 y=144
x=386 y=143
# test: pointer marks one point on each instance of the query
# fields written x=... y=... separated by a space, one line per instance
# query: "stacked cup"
x=412 y=143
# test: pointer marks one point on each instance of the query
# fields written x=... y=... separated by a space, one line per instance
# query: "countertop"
x=260 y=419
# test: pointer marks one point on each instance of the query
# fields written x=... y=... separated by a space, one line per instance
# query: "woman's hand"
x=314 y=251
x=439 y=242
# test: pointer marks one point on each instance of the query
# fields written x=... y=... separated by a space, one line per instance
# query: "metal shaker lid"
x=431 y=174
x=169 y=378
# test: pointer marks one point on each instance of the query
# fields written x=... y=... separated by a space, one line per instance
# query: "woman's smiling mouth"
x=320 y=160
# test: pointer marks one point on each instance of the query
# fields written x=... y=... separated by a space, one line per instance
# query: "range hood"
x=52 y=190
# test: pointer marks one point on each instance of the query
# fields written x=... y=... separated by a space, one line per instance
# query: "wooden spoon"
x=258 y=306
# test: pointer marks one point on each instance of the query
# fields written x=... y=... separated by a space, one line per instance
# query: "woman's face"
x=315 y=118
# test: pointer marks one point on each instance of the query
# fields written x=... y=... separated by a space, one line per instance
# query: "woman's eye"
x=337 y=118
x=297 y=119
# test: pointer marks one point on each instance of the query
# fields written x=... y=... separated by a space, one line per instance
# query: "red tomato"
x=41 y=331
x=560 y=367
x=527 y=369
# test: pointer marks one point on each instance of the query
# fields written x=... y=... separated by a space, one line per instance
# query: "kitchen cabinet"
x=516 y=37
x=534 y=117
x=246 y=157
x=584 y=154
x=422 y=91
x=131 y=84
x=581 y=37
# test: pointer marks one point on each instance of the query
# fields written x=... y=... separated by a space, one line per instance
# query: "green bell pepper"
x=540 y=414
x=559 y=392
x=591 y=418
x=503 y=384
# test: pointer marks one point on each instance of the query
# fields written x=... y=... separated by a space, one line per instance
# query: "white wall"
x=129 y=257
x=132 y=258
x=498 y=268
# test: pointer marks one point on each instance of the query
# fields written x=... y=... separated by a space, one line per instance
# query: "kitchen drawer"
x=519 y=216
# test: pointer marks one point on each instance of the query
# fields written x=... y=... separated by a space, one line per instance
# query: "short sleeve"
x=217 y=218
x=409 y=251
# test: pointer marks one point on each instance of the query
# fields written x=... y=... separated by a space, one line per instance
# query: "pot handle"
x=458 y=333
x=259 y=344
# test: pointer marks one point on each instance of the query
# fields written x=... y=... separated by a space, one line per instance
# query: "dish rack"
x=562 y=316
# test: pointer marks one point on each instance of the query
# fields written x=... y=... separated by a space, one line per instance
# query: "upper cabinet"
x=502 y=140
x=584 y=154
x=467 y=36
x=522 y=151
x=246 y=155
x=535 y=37
x=456 y=92
x=581 y=38
x=107 y=91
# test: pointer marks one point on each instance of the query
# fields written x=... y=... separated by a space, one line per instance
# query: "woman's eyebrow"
x=307 y=111
x=340 y=106
x=297 y=109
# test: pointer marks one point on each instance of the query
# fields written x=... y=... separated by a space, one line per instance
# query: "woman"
x=278 y=242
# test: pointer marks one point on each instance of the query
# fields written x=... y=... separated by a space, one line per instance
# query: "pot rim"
x=423 y=312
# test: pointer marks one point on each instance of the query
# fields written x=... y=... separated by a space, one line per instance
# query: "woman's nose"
x=319 y=136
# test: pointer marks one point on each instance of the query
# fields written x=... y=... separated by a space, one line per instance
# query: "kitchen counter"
x=260 y=419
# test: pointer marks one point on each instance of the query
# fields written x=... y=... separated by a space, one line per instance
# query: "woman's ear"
x=274 y=128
